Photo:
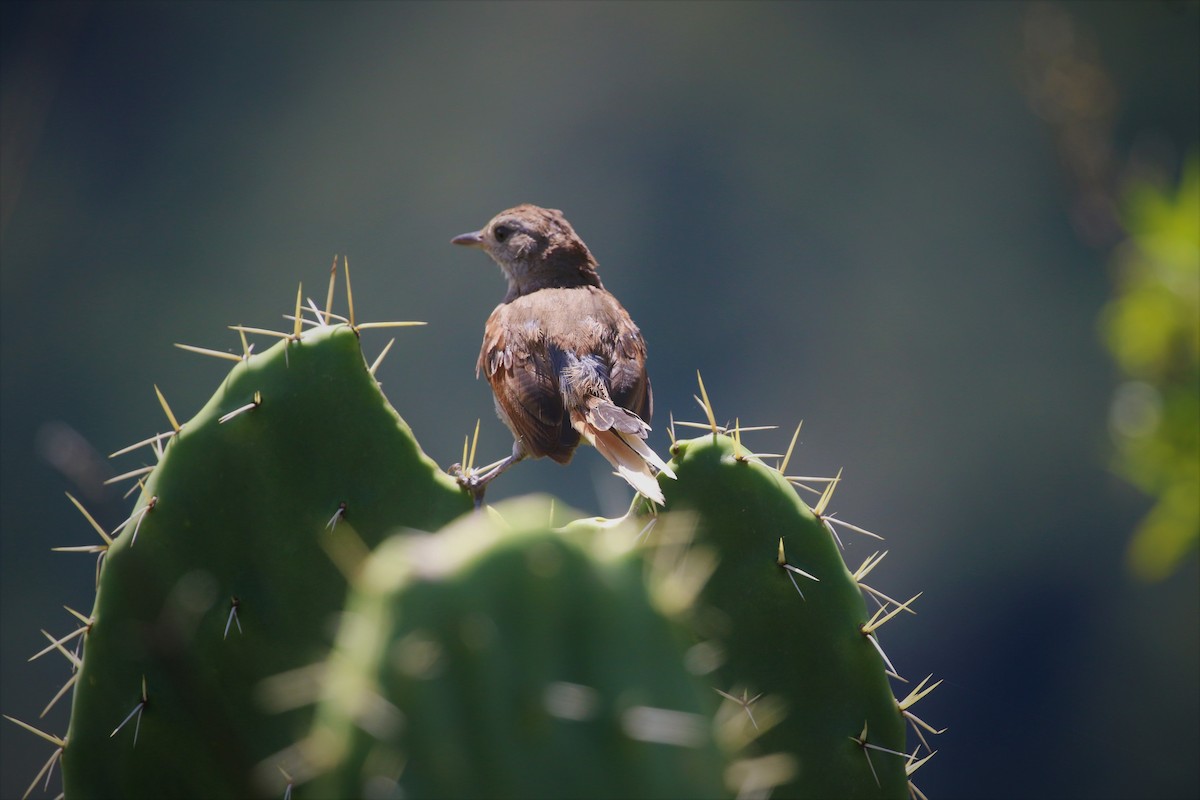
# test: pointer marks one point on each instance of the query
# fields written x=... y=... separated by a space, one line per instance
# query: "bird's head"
x=536 y=248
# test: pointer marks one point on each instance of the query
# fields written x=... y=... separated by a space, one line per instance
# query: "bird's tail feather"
x=620 y=436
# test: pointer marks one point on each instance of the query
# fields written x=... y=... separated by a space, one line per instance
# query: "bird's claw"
x=468 y=481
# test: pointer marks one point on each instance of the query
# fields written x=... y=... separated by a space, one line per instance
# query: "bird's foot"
x=471 y=481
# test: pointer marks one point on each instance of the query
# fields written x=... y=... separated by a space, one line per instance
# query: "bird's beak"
x=474 y=239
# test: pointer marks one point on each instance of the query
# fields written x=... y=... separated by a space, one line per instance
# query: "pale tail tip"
x=643 y=483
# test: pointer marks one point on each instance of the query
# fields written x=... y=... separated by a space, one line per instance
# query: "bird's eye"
x=501 y=232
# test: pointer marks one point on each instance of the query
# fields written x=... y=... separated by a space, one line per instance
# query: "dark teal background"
x=845 y=212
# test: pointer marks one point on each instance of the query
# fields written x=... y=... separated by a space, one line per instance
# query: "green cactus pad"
x=517 y=660
x=234 y=518
x=795 y=643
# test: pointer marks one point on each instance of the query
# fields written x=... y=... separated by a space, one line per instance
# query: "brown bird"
x=563 y=358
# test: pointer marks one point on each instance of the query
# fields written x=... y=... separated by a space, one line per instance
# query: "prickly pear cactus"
x=721 y=647
x=222 y=578
x=504 y=657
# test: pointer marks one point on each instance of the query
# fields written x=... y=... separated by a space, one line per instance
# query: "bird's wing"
x=630 y=385
x=522 y=377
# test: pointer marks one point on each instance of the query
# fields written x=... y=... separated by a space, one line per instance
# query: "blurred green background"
x=897 y=221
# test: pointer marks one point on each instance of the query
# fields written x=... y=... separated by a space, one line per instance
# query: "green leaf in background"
x=1152 y=328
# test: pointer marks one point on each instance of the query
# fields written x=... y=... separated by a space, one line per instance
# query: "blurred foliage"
x=1152 y=328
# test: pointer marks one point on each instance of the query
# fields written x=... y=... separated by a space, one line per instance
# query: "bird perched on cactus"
x=563 y=357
